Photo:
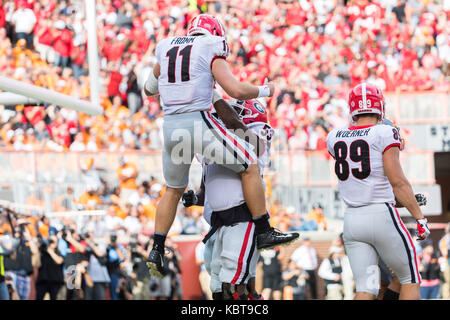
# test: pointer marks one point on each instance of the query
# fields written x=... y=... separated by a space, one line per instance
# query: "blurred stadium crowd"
x=52 y=258
x=313 y=49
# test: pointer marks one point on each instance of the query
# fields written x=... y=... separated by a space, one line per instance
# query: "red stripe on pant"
x=410 y=242
x=224 y=132
x=242 y=254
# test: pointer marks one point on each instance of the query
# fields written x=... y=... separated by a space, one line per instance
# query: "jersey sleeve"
x=161 y=48
x=218 y=48
x=388 y=137
x=329 y=143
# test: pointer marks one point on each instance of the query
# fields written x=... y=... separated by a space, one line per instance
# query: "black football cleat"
x=273 y=238
x=155 y=264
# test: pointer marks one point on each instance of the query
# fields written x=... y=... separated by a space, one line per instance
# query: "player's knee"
x=174 y=192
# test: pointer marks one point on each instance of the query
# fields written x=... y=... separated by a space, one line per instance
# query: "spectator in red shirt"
x=78 y=57
x=63 y=47
x=45 y=36
x=115 y=79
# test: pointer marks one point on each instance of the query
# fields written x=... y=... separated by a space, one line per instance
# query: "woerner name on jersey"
x=352 y=133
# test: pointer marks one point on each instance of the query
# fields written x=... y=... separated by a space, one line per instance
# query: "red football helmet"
x=250 y=110
x=366 y=98
x=206 y=24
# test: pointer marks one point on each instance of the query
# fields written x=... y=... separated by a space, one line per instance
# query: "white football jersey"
x=223 y=187
x=358 y=153
x=186 y=81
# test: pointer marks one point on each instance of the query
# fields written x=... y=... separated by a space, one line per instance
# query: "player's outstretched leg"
x=165 y=214
x=266 y=237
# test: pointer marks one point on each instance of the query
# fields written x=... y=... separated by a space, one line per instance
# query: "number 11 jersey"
x=186 y=81
x=358 y=154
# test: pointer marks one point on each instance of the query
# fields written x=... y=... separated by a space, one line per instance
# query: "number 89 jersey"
x=186 y=81
x=358 y=153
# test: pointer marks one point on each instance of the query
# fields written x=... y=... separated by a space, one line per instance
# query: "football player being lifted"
x=370 y=182
x=184 y=76
x=231 y=255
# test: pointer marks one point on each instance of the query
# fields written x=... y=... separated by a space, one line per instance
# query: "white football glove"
x=422 y=229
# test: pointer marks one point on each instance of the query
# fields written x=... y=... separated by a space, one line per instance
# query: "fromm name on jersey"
x=182 y=40
x=352 y=133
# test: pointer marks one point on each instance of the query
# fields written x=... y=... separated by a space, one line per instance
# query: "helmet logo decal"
x=258 y=107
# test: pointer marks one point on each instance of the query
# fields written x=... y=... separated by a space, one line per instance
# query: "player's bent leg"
x=225 y=148
x=253 y=190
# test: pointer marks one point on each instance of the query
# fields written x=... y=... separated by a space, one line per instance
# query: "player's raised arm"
x=236 y=89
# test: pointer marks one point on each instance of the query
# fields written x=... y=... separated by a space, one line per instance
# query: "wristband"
x=264 y=91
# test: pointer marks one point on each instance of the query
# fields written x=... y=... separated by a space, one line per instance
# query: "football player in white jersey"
x=230 y=254
x=370 y=182
x=184 y=76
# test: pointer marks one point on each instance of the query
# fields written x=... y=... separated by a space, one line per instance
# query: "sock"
x=390 y=295
x=159 y=240
x=261 y=223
